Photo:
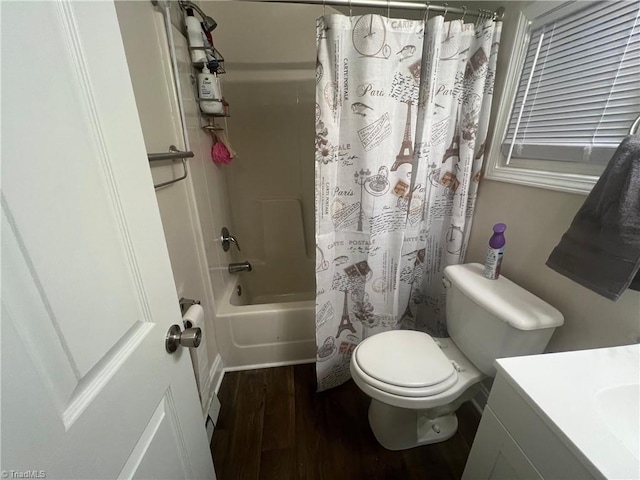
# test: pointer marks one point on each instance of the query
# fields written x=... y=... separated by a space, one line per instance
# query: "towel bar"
x=172 y=154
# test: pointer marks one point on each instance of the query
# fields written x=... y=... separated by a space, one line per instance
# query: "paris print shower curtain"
x=401 y=118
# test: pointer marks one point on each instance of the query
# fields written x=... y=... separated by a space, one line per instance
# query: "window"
x=572 y=99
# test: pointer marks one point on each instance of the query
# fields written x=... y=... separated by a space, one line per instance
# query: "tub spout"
x=239 y=267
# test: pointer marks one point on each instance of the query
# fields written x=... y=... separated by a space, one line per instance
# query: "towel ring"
x=634 y=127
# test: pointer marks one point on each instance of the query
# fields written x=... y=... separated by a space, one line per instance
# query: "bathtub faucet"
x=239 y=267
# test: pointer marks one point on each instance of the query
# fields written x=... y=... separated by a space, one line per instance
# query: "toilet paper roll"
x=194 y=317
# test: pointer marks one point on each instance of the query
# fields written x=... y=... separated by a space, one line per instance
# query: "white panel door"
x=88 y=390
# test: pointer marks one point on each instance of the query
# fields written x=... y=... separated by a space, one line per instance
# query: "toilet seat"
x=405 y=363
x=467 y=376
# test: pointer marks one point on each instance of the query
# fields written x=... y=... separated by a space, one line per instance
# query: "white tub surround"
x=562 y=415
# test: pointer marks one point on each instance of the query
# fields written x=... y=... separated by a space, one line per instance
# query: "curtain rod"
x=395 y=4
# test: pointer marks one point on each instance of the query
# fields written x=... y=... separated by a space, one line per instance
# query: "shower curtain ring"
x=350 y=11
x=426 y=11
x=324 y=8
x=388 y=9
x=464 y=12
x=446 y=9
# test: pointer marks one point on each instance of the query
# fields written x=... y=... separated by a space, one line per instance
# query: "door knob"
x=189 y=337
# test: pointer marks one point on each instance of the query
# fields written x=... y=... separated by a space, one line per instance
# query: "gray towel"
x=601 y=249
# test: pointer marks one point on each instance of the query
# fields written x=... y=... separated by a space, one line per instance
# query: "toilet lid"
x=404 y=358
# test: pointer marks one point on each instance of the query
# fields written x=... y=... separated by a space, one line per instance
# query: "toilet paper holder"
x=185 y=303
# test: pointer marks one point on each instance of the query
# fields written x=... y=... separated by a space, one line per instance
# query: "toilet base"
x=398 y=428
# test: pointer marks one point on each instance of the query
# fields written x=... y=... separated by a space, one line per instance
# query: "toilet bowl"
x=416 y=382
x=404 y=416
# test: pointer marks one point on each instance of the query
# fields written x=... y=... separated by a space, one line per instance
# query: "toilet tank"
x=490 y=319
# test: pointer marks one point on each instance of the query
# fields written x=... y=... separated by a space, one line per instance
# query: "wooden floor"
x=273 y=425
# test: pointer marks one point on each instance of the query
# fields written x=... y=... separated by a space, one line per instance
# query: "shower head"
x=208 y=22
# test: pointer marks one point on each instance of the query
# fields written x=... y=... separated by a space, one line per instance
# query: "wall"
x=144 y=38
x=536 y=220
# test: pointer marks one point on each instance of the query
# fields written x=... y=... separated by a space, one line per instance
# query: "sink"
x=619 y=410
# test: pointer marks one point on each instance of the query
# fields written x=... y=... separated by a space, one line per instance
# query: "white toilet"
x=417 y=382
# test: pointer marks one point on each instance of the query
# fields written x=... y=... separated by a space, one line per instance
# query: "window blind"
x=580 y=86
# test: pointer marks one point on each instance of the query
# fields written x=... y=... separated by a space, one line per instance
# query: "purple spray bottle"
x=495 y=252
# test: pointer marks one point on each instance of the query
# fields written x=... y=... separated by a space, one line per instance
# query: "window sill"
x=558 y=181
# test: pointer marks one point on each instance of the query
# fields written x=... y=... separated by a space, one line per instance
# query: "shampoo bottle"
x=495 y=252
x=194 y=33
x=209 y=92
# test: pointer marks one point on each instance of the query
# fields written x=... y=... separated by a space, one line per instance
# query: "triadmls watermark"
x=23 y=474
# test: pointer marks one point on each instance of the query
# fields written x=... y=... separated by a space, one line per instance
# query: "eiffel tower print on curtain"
x=454 y=147
x=345 y=321
x=406 y=149
x=407 y=319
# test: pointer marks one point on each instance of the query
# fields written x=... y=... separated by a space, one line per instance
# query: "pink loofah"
x=220 y=153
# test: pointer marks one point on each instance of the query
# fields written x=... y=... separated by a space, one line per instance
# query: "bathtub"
x=267 y=326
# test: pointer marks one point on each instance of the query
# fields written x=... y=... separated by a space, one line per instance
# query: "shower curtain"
x=402 y=111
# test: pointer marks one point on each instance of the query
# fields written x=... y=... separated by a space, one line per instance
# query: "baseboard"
x=217 y=373
x=481 y=398
x=215 y=379
x=269 y=365
x=220 y=377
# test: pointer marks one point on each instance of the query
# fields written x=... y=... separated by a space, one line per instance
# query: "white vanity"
x=570 y=415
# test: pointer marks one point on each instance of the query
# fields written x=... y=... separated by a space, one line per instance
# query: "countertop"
x=590 y=399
